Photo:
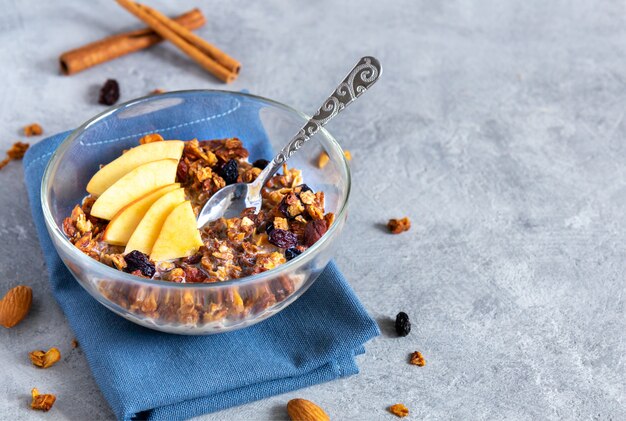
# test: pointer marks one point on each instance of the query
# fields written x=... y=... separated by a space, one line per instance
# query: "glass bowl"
x=193 y=309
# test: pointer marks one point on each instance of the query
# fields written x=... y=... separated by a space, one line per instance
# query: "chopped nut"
x=15 y=152
x=45 y=359
x=33 y=130
x=314 y=231
x=348 y=155
x=399 y=410
x=417 y=359
x=396 y=226
x=42 y=402
x=323 y=159
x=149 y=138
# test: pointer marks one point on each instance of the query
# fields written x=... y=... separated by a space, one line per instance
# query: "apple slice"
x=147 y=231
x=121 y=227
x=133 y=158
x=132 y=186
x=179 y=236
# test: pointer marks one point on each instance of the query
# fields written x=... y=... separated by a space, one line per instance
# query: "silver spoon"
x=231 y=200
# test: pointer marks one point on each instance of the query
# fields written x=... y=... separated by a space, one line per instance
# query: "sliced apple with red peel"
x=146 y=233
x=179 y=236
x=133 y=158
x=143 y=179
x=121 y=227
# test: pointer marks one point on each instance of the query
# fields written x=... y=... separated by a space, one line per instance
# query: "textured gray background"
x=498 y=127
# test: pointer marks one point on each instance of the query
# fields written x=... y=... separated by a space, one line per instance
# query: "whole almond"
x=303 y=410
x=15 y=305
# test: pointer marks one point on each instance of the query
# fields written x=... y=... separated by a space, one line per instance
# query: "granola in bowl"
x=292 y=219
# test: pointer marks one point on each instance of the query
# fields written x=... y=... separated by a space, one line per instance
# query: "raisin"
x=137 y=261
x=292 y=252
x=403 y=325
x=110 y=92
x=269 y=227
x=230 y=171
x=282 y=238
x=260 y=163
x=313 y=231
x=182 y=171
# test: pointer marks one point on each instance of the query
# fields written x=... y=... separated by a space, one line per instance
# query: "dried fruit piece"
x=110 y=92
x=230 y=171
x=42 y=402
x=417 y=359
x=33 y=130
x=403 y=324
x=45 y=359
x=74 y=343
x=157 y=91
x=347 y=154
x=15 y=305
x=150 y=138
x=399 y=410
x=136 y=260
x=260 y=163
x=292 y=252
x=15 y=152
x=323 y=159
x=304 y=410
x=396 y=226
x=282 y=238
x=313 y=231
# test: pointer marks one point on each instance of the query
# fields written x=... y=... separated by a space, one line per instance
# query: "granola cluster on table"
x=292 y=219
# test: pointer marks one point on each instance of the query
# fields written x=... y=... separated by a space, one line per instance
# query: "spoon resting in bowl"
x=231 y=200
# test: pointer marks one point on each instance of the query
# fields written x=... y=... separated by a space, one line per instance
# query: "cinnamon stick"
x=212 y=51
x=115 y=46
x=167 y=31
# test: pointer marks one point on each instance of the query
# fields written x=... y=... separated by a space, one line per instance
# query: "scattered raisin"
x=292 y=252
x=313 y=231
x=110 y=92
x=229 y=172
x=137 y=261
x=403 y=324
x=260 y=163
x=282 y=238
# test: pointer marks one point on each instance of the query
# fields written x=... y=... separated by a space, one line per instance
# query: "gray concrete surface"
x=498 y=128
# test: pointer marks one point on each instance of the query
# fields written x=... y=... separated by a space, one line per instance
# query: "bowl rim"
x=119 y=275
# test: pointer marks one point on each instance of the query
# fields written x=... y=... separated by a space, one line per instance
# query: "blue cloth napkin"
x=145 y=374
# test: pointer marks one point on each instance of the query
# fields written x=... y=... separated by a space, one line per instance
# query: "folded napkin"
x=145 y=374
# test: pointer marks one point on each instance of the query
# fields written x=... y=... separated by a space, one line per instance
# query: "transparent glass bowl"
x=194 y=309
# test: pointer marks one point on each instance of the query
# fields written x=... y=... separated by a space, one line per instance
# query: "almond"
x=303 y=410
x=15 y=305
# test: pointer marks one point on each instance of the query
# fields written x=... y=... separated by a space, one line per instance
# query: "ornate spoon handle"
x=364 y=74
